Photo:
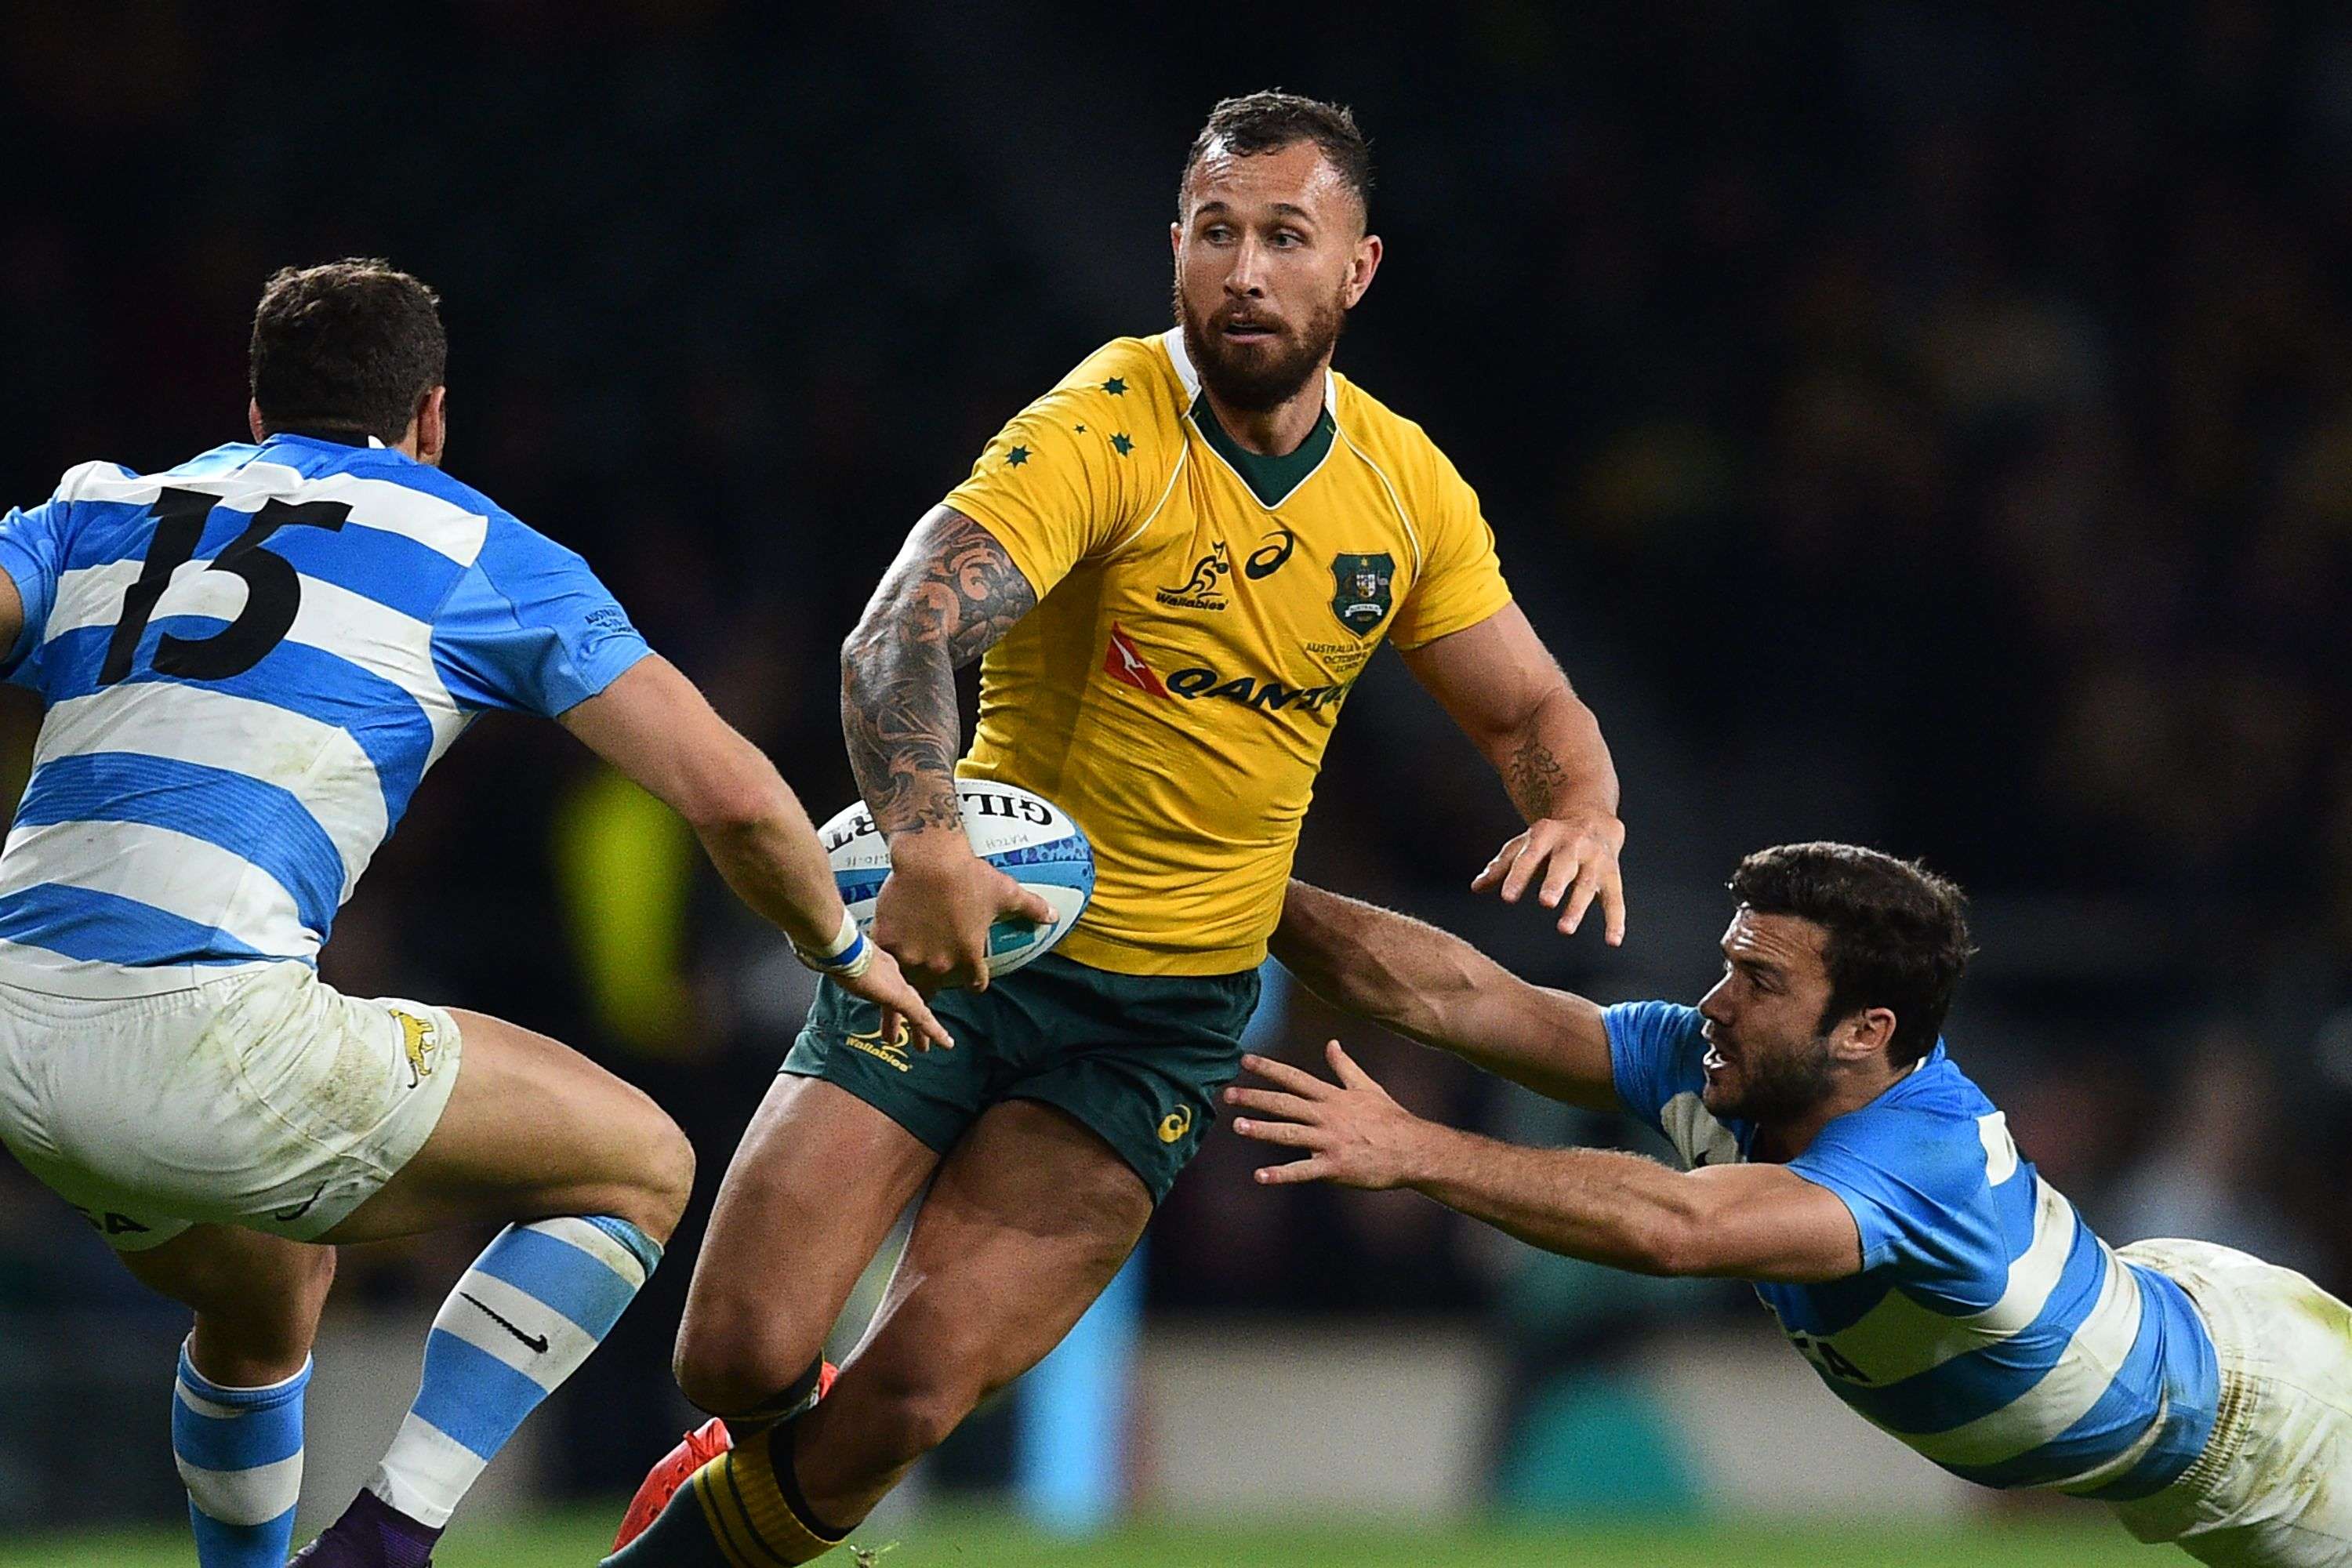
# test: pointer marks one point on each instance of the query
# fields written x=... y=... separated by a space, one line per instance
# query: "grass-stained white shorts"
x=2273 y=1488
x=266 y=1099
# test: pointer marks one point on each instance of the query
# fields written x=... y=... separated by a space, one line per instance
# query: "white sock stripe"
x=469 y=1315
x=201 y=1400
x=245 y=1496
x=579 y=1233
x=203 y=1406
x=427 y=1472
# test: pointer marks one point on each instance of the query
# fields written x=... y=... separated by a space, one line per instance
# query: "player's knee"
x=733 y=1374
x=661 y=1178
x=315 y=1277
x=672 y=1178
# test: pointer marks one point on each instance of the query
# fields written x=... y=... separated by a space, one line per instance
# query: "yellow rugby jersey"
x=1201 y=613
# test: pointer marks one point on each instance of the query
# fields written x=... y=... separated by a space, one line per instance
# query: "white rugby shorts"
x=266 y=1099
x=2273 y=1488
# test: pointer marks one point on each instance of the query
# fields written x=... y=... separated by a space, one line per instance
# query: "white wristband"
x=849 y=956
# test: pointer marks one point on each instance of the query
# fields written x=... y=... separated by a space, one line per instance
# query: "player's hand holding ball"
x=936 y=910
x=955 y=908
x=1571 y=858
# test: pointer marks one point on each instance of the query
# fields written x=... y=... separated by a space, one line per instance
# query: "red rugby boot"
x=675 y=1468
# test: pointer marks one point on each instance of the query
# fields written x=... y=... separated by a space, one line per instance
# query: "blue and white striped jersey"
x=1988 y=1329
x=248 y=663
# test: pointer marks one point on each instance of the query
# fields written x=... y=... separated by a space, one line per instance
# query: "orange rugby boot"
x=675 y=1468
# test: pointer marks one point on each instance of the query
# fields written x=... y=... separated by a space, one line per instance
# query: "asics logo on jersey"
x=1124 y=663
x=1268 y=559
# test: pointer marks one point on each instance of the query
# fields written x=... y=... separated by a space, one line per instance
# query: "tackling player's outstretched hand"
x=935 y=908
x=1576 y=858
x=1351 y=1131
x=906 y=1018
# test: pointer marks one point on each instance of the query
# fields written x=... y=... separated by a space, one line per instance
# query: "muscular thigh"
x=1032 y=1216
x=532 y=1130
x=811 y=1194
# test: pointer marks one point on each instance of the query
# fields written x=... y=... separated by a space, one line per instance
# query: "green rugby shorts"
x=1139 y=1058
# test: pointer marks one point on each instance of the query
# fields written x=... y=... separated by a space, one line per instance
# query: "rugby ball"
x=1024 y=835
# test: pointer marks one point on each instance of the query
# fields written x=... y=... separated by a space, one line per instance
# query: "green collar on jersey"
x=1271 y=479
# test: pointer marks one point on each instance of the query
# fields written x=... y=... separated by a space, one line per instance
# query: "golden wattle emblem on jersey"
x=1361 y=601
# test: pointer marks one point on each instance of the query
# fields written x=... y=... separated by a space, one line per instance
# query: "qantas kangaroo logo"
x=1124 y=663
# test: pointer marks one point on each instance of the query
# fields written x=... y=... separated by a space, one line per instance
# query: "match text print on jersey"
x=273 y=590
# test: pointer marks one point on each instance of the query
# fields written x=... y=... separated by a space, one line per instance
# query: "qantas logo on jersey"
x=1124 y=663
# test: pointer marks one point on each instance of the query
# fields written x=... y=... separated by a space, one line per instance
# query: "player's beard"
x=1778 y=1086
x=1255 y=377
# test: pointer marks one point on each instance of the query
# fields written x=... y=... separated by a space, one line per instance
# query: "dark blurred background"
x=1923 y=425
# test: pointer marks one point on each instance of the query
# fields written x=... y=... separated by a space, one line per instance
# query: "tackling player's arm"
x=1502 y=686
x=1432 y=986
x=951 y=594
x=1748 y=1222
x=654 y=725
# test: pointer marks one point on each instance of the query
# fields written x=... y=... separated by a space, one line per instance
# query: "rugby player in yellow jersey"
x=1176 y=564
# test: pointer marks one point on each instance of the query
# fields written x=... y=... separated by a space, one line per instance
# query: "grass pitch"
x=960 y=1539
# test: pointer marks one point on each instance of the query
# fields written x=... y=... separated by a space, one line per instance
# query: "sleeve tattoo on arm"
x=953 y=594
x=1534 y=777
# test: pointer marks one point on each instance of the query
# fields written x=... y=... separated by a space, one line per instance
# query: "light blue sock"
x=240 y=1452
x=522 y=1320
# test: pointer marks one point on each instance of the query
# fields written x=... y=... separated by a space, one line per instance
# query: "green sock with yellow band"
x=743 y=1509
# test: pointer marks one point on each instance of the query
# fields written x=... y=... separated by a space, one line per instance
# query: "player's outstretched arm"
x=655 y=726
x=947 y=599
x=1431 y=986
x=1747 y=1222
x=1502 y=686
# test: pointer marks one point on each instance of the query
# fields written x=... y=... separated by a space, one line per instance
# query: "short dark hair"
x=347 y=346
x=1897 y=932
x=1270 y=121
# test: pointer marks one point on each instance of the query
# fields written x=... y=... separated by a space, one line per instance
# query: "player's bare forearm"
x=1555 y=763
x=776 y=864
x=1597 y=1204
x=1432 y=986
x=952 y=591
x=655 y=727
x=1502 y=686
x=1744 y=1221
